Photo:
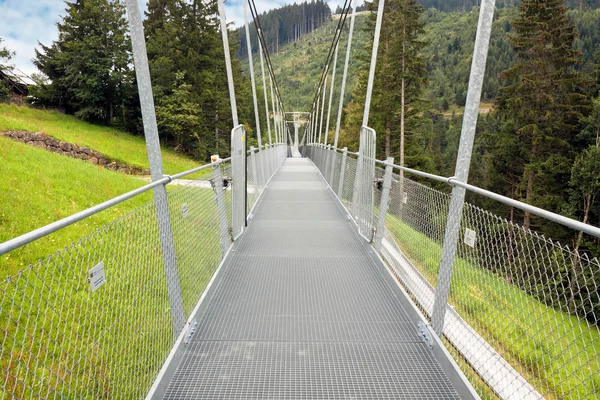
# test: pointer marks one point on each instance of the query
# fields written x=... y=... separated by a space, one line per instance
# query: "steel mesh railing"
x=524 y=310
x=62 y=337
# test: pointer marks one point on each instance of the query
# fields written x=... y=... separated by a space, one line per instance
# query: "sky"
x=25 y=22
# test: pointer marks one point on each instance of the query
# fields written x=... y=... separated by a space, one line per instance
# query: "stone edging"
x=43 y=141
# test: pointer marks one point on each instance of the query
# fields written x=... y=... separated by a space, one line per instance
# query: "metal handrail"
x=46 y=230
x=554 y=217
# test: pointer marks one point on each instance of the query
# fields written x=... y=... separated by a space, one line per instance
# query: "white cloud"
x=25 y=22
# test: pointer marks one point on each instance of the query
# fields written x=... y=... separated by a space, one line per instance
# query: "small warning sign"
x=404 y=197
x=184 y=210
x=470 y=237
x=96 y=276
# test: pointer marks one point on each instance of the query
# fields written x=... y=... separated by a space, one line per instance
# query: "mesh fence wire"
x=524 y=310
x=62 y=338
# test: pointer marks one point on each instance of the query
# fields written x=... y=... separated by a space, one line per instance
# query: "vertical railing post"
x=383 y=203
x=221 y=208
x=357 y=183
x=257 y=188
x=342 y=173
x=463 y=161
x=327 y=161
x=331 y=92
x=321 y=136
x=344 y=76
x=261 y=173
x=142 y=71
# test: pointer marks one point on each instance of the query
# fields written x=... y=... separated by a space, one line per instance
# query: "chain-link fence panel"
x=523 y=309
x=195 y=220
x=533 y=300
x=92 y=320
x=95 y=319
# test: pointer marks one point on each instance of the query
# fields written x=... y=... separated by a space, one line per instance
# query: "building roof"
x=17 y=79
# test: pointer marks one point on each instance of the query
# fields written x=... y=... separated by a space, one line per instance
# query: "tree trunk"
x=388 y=136
x=402 y=101
x=528 y=197
x=529 y=190
x=577 y=270
x=217 y=131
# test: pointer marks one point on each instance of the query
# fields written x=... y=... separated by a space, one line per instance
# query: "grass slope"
x=298 y=66
x=555 y=351
x=40 y=187
x=111 y=142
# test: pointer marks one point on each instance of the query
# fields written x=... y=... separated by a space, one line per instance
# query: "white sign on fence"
x=96 y=276
x=405 y=197
x=184 y=210
x=470 y=237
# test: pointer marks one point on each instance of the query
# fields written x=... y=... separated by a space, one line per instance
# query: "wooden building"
x=17 y=83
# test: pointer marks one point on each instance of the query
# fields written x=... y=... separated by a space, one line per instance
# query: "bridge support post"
x=257 y=190
x=327 y=163
x=221 y=209
x=161 y=201
x=463 y=162
x=384 y=203
x=342 y=173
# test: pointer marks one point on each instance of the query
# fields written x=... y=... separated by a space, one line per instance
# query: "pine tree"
x=196 y=62
x=398 y=108
x=543 y=102
x=89 y=65
x=5 y=56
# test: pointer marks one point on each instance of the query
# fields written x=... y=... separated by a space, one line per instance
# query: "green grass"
x=109 y=343
x=558 y=353
x=39 y=187
x=115 y=144
x=60 y=336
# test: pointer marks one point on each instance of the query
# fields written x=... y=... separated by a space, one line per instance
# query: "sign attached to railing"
x=184 y=210
x=97 y=277
x=470 y=237
x=405 y=198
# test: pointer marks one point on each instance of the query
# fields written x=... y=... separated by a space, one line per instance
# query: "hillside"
x=298 y=65
x=41 y=187
x=116 y=144
x=451 y=38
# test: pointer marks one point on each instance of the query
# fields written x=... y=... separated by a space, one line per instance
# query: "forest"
x=544 y=154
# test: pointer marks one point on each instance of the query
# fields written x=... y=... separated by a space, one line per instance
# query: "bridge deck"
x=302 y=311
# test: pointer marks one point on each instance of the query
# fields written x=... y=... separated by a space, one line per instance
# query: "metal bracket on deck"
x=424 y=334
x=191 y=331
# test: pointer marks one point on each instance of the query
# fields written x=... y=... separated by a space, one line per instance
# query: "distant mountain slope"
x=451 y=39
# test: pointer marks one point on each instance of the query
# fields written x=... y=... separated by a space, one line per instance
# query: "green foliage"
x=398 y=111
x=116 y=144
x=88 y=66
x=202 y=88
x=543 y=102
x=285 y=25
x=5 y=56
x=178 y=117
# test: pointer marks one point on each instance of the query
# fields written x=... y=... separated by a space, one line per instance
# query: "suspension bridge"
x=299 y=270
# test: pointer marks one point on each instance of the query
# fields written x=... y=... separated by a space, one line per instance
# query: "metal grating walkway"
x=300 y=311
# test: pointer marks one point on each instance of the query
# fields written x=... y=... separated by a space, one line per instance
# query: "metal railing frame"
x=323 y=156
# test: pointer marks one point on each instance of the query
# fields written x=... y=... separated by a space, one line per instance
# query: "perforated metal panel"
x=302 y=312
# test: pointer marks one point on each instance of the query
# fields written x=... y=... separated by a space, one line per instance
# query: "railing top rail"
x=540 y=212
x=31 y=236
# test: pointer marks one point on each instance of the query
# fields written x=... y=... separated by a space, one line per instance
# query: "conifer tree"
x=398 y=106
x=542 y=103
x=184 y=46
x=89 y=65
x=5 y=56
